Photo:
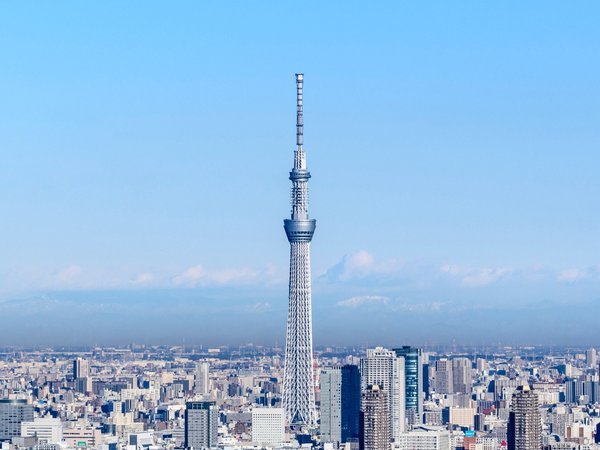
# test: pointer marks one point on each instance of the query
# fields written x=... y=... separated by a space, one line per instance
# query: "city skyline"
x=468 y=167
x=178 y=397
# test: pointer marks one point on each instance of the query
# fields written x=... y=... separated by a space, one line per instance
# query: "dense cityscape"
x=140 y=397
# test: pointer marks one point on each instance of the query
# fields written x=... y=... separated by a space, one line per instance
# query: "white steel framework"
x=298 y=383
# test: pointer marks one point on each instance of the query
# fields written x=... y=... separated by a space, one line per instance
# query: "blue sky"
x=453 y=145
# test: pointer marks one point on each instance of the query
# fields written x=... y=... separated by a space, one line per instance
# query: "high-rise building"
x=573 y=391
x=505 y=387
x=351 y=396
x=482 y=365
x=375 y=430
x=462 y=376
x=582 y=391
x=413 y=380
x=340 y=404
x=81 y=368
x=427 y=376
x=12 y=414
x=201 y=378
x=524 y=421
x=330 y=390
x=201 y=425
x=383 y=368
x=268 y=426
x=83 y=385
x=81 y=375
x=591 y=357
x=298 y=382
x=443 y=376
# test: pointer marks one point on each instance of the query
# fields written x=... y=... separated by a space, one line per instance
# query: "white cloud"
x=451 y=269
x=418 y=307
x=483 y=277
x=259 y=307
x=389 y=304
x=199 y=276
x=573 y=275
x=356 y=273
x=361 y=264
x=67 y=275
x=476 y=277
x=355 y=302
x=143 y=279
x=360 y=261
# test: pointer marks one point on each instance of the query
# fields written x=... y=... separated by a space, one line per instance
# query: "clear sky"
x=454 y=148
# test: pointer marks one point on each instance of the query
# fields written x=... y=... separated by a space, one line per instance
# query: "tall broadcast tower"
x=298 y=382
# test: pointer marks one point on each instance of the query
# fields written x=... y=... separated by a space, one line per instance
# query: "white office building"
x=201 y=378
x=141 y=441
x=383 y=368
x=424 y=438
x=591 y=357
x=268 y=426
x=47 y=430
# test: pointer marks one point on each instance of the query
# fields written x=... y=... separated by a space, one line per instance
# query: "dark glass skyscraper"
x=350 y=403
x=413 y=373
x=340 y=404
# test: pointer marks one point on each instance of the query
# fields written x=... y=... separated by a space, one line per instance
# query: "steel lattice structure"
x=298 y=383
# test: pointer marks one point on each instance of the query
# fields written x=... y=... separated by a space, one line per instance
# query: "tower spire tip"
x=299 y=115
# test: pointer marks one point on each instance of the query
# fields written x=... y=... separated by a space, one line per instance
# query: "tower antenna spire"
x=299 y=113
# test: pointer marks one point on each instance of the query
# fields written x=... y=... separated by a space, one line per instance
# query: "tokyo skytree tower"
x=298 y=382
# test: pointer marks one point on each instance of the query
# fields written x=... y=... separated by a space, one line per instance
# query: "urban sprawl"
x=146 y=398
